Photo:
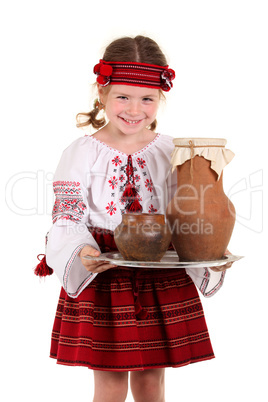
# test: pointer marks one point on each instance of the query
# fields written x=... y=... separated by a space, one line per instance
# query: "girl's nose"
x=133 y=108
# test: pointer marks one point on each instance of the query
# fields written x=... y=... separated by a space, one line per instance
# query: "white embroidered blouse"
x=88 y=185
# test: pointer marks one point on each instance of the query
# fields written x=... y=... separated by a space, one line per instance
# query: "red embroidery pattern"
x=116 y=161
x=111 y=208
x=141 y=162
x=125 y=175
x=152 y=210
x=149 y=185
x=69 y=201
x=137 y=178
x=113 y=182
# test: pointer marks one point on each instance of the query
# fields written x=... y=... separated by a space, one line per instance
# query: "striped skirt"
x=131 y=319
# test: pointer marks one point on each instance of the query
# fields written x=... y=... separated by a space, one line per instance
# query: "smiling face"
x=130 y=109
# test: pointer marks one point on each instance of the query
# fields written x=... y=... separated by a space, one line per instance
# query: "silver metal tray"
x=170 y=260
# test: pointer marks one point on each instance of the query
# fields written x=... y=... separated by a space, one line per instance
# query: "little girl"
x=111 y=319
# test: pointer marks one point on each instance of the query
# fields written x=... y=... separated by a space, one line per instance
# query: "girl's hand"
x=223 y=267
x=92 y=265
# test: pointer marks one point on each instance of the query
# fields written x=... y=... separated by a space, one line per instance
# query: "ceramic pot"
x=200 y=215
x=142 y=237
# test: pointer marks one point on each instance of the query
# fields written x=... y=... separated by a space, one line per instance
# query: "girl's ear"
x=102 y=94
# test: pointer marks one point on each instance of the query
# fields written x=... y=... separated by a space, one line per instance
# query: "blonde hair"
x=140 y=49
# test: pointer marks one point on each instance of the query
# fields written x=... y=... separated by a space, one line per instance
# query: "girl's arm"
x=69 y=234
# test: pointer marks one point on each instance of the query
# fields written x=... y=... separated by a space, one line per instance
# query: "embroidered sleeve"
x=69 y=203
x=206 y=280
x=70 y=215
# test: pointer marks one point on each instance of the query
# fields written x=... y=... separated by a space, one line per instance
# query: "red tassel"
x=131 y=197
x=42 y=269
x=135 y=206
x=142 y=315
x=140 y=312
x=130 y=193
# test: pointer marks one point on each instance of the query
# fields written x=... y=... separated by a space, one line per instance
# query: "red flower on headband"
x=166 y=77
x=104 y=73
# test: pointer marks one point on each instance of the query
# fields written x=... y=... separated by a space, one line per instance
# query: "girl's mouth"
x=131 y=122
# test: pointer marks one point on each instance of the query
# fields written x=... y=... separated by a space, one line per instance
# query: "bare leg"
x=148 y=385
x=110 y=386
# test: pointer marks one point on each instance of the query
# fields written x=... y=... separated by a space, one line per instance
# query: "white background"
x=219 y=52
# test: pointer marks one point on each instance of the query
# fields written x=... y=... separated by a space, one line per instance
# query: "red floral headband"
x=137 y=74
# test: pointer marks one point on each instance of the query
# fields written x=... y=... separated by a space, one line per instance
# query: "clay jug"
x=200 y=215
x=142 y=237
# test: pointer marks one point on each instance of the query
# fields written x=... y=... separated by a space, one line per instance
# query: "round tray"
x=170 y=260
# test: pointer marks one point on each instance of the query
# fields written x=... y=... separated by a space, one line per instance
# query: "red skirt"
x=131 y=319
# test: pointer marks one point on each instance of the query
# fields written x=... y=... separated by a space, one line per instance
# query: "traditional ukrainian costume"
x=124 y=318
x=121 y=319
